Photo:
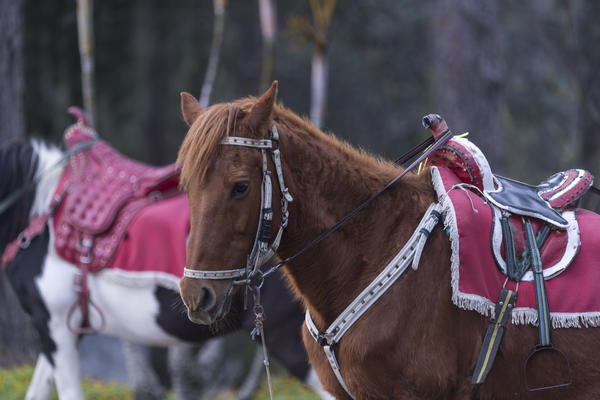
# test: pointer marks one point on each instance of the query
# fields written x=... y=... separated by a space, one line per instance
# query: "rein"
x=435 y=144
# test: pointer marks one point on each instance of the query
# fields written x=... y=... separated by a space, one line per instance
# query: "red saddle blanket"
x=573 y=296
x=156 y=238
x=116 y=212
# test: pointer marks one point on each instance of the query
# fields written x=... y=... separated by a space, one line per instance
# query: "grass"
x=14 y=383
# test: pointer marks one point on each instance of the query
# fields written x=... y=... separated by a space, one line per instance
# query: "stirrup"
x=546 y=351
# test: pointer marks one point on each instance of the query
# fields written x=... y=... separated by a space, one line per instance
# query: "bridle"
x=261 y=251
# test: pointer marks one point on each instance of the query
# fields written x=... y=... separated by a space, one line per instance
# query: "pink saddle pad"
x=156 y=238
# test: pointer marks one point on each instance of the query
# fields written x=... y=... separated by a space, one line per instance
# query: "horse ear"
x=260 y=113
x=190 y=108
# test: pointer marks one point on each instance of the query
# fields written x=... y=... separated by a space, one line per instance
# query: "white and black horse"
x=145 y=312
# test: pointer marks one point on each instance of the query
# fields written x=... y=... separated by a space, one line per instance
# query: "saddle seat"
x=545 y=201
x=551 y=202
x=101 y=192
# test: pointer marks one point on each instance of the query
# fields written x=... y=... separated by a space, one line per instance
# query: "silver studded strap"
x=222 y=274
x=410 y=254
x=247 y=142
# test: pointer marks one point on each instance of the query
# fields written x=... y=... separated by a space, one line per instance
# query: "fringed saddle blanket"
x=573 y=296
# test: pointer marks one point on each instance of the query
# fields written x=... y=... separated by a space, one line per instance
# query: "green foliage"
x=14 y=383
x=285 y=388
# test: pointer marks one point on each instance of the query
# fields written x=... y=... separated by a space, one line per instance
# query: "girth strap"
x=544 y=324
x=507 y=298
x=493 y=338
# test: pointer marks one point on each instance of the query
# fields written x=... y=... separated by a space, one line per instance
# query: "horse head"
x=223 y=184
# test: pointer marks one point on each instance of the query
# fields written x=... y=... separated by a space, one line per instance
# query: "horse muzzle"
x=205 y=304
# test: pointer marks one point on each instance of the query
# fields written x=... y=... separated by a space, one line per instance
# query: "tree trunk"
x=468 y=72
x=18 y=342
x=268 y=28
x=85 y=33
x=589 y=84
x=215 y=52
x=12 y=120
x=318 y=93
x=154 y=78
x=322 y=12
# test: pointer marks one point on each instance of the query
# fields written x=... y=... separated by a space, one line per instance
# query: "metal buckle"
x=24 y=241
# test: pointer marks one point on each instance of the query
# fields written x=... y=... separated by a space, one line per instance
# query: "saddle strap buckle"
x=86 y=245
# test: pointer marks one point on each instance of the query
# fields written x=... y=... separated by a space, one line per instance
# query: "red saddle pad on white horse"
x=156 y=238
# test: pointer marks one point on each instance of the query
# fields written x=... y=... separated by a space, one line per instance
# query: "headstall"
x=261 y=251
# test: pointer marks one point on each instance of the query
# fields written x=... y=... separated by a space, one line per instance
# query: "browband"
x=247 y=142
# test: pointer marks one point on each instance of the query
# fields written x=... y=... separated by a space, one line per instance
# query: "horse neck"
x=20 y=163
x=328 y=180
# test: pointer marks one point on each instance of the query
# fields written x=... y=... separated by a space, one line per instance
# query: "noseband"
x=261 y=251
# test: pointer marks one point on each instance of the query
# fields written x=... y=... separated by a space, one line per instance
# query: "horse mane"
x=200 y=147
x=290 y=121
x=18 y=163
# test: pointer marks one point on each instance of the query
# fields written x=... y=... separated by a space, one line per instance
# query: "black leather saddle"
x=545 y=201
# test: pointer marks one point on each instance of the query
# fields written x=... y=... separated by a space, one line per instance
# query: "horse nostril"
x=207 y=299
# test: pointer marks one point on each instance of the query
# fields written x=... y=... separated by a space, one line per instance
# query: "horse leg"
x=42 y=381
x=66 y=364
x=313 y=382
x=254 y=376
x=183 y=364
x=142 y=378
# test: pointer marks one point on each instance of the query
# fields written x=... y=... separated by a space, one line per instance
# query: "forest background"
x=522 y=77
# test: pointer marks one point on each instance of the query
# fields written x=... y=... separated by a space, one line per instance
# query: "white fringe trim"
x=466 y=301
x=529 y=316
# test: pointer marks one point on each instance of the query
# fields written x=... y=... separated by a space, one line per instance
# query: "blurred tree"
x=588 y=38
x=18 y=343
x=85 y=35
x=151 y=32
x=219 y=7
x=12 y=80
x=268 y=28
x=317 y=34
x=468 y=72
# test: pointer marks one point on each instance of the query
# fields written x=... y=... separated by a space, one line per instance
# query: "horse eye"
x=239 y=188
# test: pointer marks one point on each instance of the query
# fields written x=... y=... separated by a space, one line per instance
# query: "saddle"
x=100 y=192
x=552 y=203
x=534 y=237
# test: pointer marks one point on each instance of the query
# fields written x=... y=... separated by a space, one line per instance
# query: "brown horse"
x=413 y=343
